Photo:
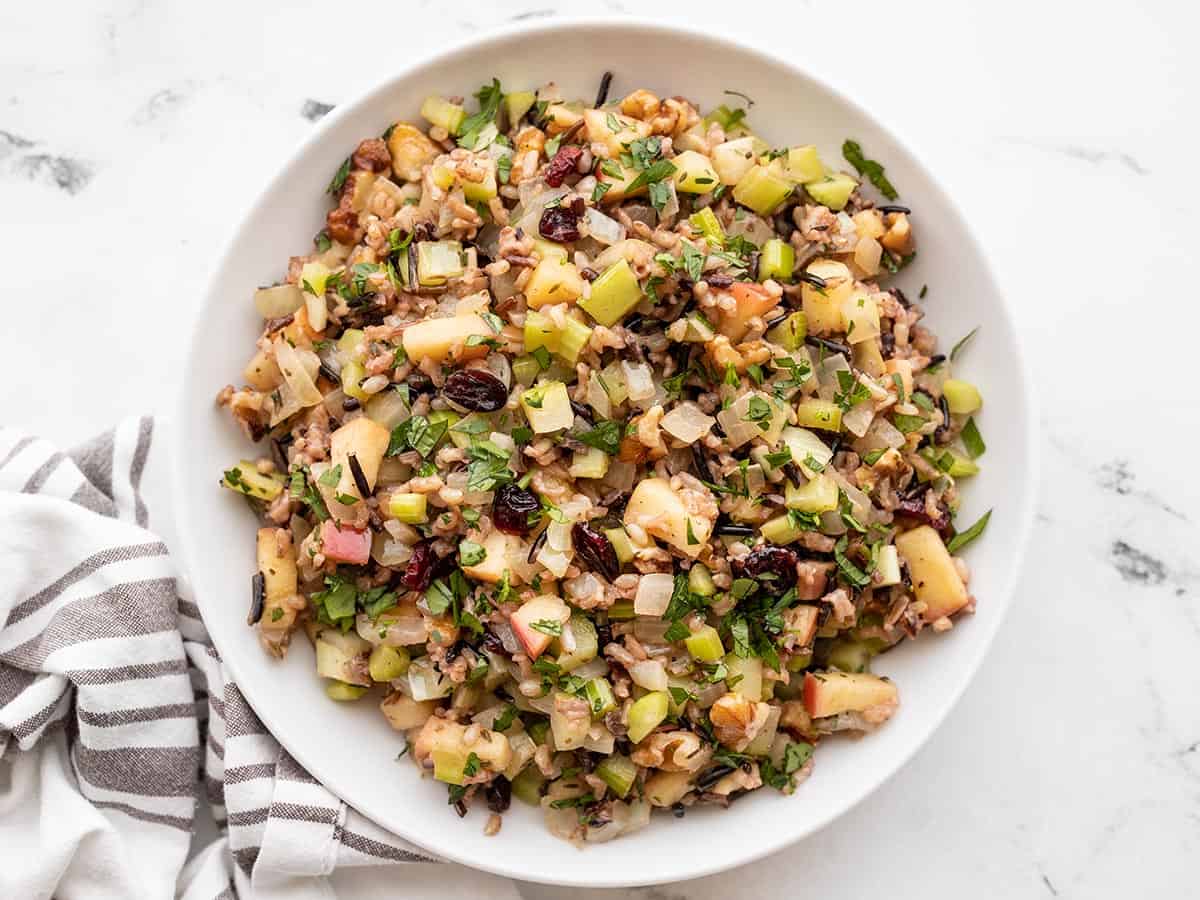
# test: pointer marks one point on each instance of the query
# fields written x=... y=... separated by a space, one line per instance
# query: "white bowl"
x=351 y=748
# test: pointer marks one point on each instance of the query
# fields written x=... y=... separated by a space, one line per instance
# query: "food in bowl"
x=601 y=442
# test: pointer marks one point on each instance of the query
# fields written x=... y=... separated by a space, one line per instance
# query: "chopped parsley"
x=868 y=168
x=552 y=627
x=972 y=439
x=416 y=433
x=489 y=97
x=606 y=436
x=470 y=553
x=339 y=177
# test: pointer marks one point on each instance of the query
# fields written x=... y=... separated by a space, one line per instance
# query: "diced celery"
x=706 y=221
x=549 y=249
x=438 y=262
x=777 y=260
x=352 y=376
x=849 y=656
x=725 y=117
x=953 y=464
x=647 y=714
x=614 y=294
x=410 y=508
x=799 y=662
x=962 y=397
x=527 y=786
x=802 y=164
x=813 y=413
x=618 y=772
x=540 y=332
x=600 y=696
x=448 y=765
x=517 y=104
x=246 y=479
x=440 y=111
x=779 y=530
x=745 y=676
x=548 y=407
x=573 y=337
x=762 y=191
x=832 y=190
x=586 y=643
x=314 y=275
x=694 y=173
x=448 y=416
x=538 y=730
x=386 y=663
x=621 y=610
x=699 y=330
x=819 y=495
x=341 y=691
x=705 y=644
x=525 y=368
x=351 y=344
x=569 y=732
x=481 y=191
x=887 y=565
x=700 y=580
x=791 y=332
x=621 y=543
x=590 y=462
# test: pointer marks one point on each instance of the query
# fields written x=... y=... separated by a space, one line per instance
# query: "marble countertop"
x=132 y=135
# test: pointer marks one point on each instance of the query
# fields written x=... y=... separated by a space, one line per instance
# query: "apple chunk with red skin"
x=830 y=693
x=347 y=545
x=540 y=609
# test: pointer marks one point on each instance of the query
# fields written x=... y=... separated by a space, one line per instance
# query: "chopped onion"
x=387 y=551
x=654 y=594
x=318 y=312
x=638 y=380
x=709 y=694
x=533 y=208
x=599 y=739
x=517 y=556
x=827 y=375
x=333 y=403
x=880 y=435
x=425 y=682
x=543 y=704
x=563 y=823
x=867 y=255
x=650 y=674
x=459 y=480
x=392 y=471
x=498 y=365
x=387 y=408
x=593 y=668
x=650 y=630
x=296 y=372
x=602 y=228
x=740 y=430
x=858 y=419
x=280 y=300
x=671 y=207
x=402 y=626
x=860 y=503
x=687 y=422
x=846 y=225
x=597 y=398
x=620 y=475
x=556 y=561
x=508 y=640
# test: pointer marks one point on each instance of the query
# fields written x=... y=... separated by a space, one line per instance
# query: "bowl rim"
x=1023 y=518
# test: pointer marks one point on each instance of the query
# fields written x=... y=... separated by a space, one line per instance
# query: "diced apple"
x=262 y=372
x=403 y=712
x=498 y=547
x=733 y=159
x=823 y=306
x=620 y=186
x=544 y=609
x=410 y=150
x=655 y=507
x=694 y=173
x=343 y=657
x=800 y=623
x=597 y=124
x=346 y=545
x=570 y=731
x=830 y=693
x=553 y=281
x=903 y=368
x=366 y=441
x=278 y=568
x=935 y=580
x=861 y=315
x=548 y=407
x=665 y=789
x=437 y=339
x=752 y=300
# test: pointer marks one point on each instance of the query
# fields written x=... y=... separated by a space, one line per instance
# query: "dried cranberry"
x=499 y=794
x=914 y=508
x=563 y=164
x=419 y=571
x=512 y=507
x=476 y=389
x=595 y=549
x=559 y=223
x=777 y=562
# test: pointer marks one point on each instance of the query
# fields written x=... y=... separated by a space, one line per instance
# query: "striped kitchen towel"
x=117 y=715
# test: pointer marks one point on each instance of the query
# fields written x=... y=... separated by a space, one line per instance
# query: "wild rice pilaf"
x=601 y=443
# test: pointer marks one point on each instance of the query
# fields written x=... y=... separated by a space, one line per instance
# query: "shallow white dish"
x=350 y=748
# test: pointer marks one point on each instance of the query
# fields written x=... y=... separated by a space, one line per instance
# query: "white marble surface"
x=133 y=132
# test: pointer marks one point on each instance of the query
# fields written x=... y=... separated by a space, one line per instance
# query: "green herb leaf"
x=654 y=174
x=331 y=476
x=963 y=538
x=438 y=597
x=693 y=261
x=322 y=241
x=852 y=573
x=961 y=344
x=973 y=440
x=504 y=721
x=868 y=168
x=606 y=436
x=339 y=177
x=907 y=424
x=552 y=627
x=470 y=553
x=489 y=97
